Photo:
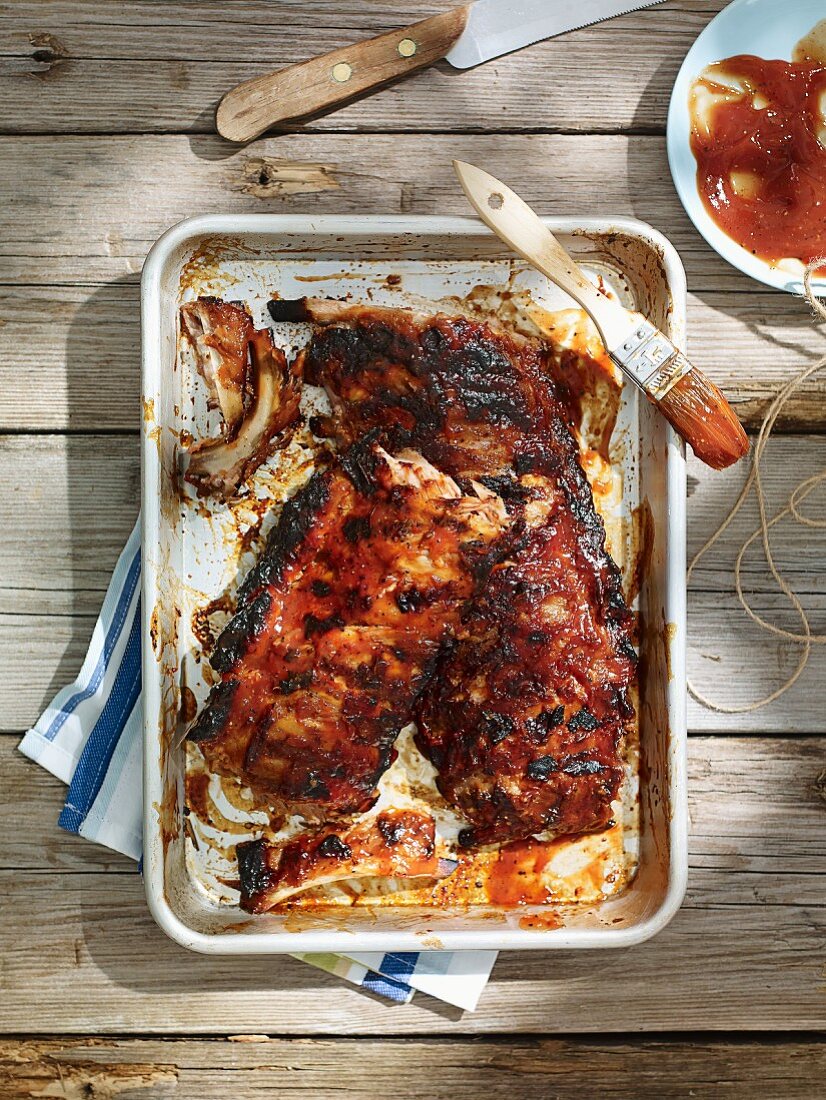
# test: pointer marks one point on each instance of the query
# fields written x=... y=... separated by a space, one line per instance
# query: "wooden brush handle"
x=253 y=107
x=693 y=404
x=511 y=219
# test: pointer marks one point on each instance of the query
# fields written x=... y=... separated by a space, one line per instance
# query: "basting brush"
x=688 y=400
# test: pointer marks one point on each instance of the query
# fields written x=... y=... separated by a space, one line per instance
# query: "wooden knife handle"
x=253 y=107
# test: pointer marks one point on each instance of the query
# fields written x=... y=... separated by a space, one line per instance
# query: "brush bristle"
x=702 y=416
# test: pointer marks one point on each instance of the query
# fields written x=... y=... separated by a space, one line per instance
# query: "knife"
x=465 y=36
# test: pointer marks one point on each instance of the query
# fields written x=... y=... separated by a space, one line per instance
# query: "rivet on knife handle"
x=311 y=86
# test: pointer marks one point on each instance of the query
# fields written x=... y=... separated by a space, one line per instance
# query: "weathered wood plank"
x=71 y=502
x=87 y=209
x=138 y=67
x=85 y=342
x=69 y=505
x=766 y=960
x=33 y=796
x=249 y=1066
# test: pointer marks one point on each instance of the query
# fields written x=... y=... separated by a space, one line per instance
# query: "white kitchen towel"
x=90 y=737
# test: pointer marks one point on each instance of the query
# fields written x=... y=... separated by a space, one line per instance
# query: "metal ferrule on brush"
x=651 y=360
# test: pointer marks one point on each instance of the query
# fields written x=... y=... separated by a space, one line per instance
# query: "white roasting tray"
x=251 y=258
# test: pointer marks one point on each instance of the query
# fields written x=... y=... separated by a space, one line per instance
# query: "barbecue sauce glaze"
x=759 y=138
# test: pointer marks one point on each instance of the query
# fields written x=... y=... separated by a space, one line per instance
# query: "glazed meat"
x=525 y=717
x=220 y=333
x=474 y=401
x=249 y=381
x=339 y=626
x=390 y=844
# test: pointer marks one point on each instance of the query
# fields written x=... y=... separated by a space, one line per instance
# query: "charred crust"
x=212 y=719
x=333 y=847
x=527 y=463
x=239 y=632
x=320 y=588
x=411 y=599
x=582 y=764
x=288 y=309
x=484 y=376
x=253 y=869
x=295 y=683
x=366 y=677
x=616 y=600
x=356 y=528
x=543 y=767
x=547 y=720
x=497 y=726
x=391 y=829
x=538 y=637
x=360 y=463
x=314 y=625
x=296 y=520
x=434 y=340
x=623 y=704
x=481 y=558
x=583 y=720
x=507 y=487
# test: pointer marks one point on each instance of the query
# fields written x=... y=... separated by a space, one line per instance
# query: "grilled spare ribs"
x=248 y=381
x=396 y=843
x=339 y=626
x=524 y=719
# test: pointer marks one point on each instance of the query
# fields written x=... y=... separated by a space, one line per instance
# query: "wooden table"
x=107 y=139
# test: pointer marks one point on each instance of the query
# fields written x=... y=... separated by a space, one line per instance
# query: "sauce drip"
x=517 y=876
x=759 y=138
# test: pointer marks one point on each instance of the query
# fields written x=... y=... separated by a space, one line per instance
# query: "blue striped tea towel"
x=90 y=737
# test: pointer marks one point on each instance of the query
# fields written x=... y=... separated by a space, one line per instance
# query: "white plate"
x=766 y=28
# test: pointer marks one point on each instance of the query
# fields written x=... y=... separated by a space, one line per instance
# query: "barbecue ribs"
x=396 y=843
x=249 y=381
x=524 y=719
x=339 y=626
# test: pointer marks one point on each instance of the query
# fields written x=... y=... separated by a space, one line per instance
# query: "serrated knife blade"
x=497 y=27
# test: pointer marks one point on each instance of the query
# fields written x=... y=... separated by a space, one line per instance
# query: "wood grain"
x=87 y=210
x=247 y=1066
x=110 y=108
x=757 y=865
x=150 y=67
x=331 y=79
x=766 y=960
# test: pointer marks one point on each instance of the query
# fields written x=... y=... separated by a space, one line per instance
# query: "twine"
x=805 y=639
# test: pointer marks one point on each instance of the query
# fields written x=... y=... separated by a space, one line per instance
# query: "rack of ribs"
x=525 y=716
x=339 y=626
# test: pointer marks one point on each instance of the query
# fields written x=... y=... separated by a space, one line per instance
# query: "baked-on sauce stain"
x=516 y=876
x=758 y=134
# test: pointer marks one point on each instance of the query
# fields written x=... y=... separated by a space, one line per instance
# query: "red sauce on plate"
x=761 y=152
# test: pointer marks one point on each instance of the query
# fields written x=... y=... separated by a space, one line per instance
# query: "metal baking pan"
x=189 y=555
